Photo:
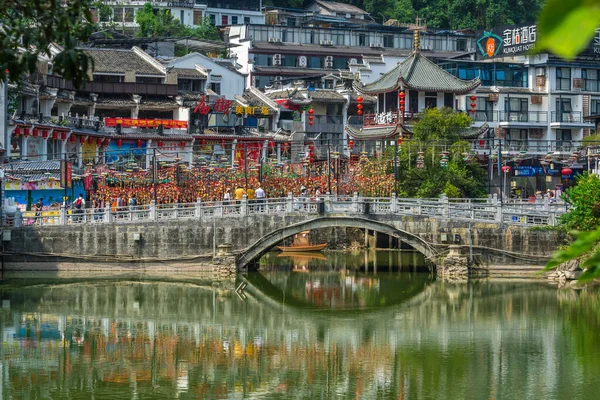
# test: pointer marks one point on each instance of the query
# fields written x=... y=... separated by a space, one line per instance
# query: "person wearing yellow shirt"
x=239 y=193
x=250 y=196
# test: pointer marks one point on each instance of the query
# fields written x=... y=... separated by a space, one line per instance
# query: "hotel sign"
x=508 y=41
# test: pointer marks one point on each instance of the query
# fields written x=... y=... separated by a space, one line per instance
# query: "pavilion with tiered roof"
x=413 y=85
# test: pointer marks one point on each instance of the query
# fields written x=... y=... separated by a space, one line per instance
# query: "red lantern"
x=402 y=108
x=82 y=139
x=182 y=143
x=72 y=138
x=271 y=144
x=310 y=118
x=399 y=141
x=473 y=98
x=17 y=131
x=311 y=111
x=45 y=134
x=26 y=132
x=402 y=102
x=359 y=106
x=98 y=142
x=35 y=132
x=359 y=99
x=159 y=143
x=139 y=143
x=203 y=142
x=63 y=135
x=119 y=142
x=54 y=135
x=473 y=105
x=106 y=142
x=402 y=95
x=566 y=171
x=482 y=143
x=351 y=144
x=359 y=112
x=310 y=123
x=90 y=140
x=506 y=169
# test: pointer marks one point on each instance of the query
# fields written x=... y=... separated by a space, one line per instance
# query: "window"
x=362 y=39
x=224 y=20
x=413 y=101
x=448 y=100
x=215 y=87
x=246 y=20
x=181 y=16
x=563 y=138
x=291 y=21
x=388 y=40
x=591 y=79
x=338 y=38
x=284 y=35
x=340 y=63
x=563 y=78
x=234 y=20
x=430 y=100
x=564 y=110
x=595 y=107
x=461 y=44
x=483 y=109
x=212 y=18
x=311 y=39
x=190 y=85
x=289 y=61
x=129 y=14
x=516 y=105
x=118 y=15
x=315 y=62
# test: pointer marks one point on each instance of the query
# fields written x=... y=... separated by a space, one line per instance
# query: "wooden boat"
x=301 y=244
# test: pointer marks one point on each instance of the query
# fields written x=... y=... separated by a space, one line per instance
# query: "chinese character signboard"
x=507 y=41
x=382 y=118
x=144 y=123
x=66 y=174
x=248 y=110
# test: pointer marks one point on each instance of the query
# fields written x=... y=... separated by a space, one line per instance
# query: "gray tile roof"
x=117 y=61
x=340 y=7
x=191 y=73
x=419 y=73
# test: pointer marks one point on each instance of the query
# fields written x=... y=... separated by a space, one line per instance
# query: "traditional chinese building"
x=413 y=85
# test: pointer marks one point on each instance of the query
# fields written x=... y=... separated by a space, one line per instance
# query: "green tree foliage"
x=29 y=27
x=443 y=14
x=438 y=131
x=163 y=24
x=566 y=27
x=584 y=199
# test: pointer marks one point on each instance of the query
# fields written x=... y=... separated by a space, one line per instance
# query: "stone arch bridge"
x=502 y=231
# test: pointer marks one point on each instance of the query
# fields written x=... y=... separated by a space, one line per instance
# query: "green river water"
x=304 y=328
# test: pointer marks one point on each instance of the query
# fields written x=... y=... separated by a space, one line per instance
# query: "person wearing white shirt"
x=259 y=194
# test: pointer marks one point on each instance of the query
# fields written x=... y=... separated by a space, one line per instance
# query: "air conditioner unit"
x=278 y=78
x=302 y=61
x=540 y=71
x=326 y=43
x=376 y=45
x=274 y=40
x=277 y=59
x=353 y=61
x=329 y=62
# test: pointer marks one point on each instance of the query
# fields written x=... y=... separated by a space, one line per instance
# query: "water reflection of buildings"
x=151 y=340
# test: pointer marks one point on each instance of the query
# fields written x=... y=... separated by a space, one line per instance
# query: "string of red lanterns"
x=473 y=98
x=359 y=106
x=311 y=116
x=402 y=102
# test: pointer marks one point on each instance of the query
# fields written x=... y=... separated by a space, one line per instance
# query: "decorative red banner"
x=145 y=123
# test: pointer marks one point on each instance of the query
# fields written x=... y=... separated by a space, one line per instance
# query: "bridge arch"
x=266 y=243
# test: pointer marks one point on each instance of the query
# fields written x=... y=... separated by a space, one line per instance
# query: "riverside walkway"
x=490 y=210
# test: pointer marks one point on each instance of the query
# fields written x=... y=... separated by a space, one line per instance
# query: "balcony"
x=159 y=89
x=529 y=117
x=512 y=147
x=484 y=116
x=325 y=124
x=572 y=117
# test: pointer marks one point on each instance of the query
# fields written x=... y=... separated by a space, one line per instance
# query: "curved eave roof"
x=382 y=132
x=474 y=133
x=417 y=72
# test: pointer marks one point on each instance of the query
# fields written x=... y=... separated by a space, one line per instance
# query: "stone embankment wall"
x=180 y=239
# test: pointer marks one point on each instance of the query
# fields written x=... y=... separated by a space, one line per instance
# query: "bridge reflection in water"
x=318 y=334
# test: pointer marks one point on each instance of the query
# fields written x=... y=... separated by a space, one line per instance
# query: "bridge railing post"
x=153 y=213
x=107 y=213
x=328 y=204
x=394 y=204
x=244 y=206
x=62 y=216
x=419 y=208
x=498 y=206
x=445 y=206
x=552 y=219
x=355 y=203
x=289 y=203
x=198 y=208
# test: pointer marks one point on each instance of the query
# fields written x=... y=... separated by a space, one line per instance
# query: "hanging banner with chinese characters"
x=507 y=41
x=145 y=123
x=383 y=118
